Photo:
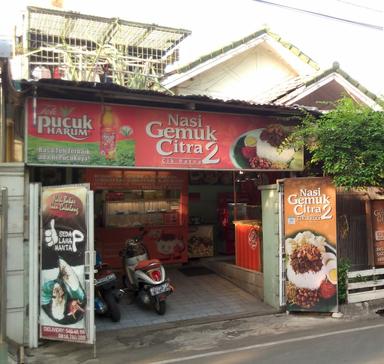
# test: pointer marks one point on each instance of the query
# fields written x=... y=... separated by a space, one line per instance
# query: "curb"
x=362 y=308
x=188 y=322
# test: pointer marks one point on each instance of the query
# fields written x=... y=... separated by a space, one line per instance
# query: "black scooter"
x=106 y=293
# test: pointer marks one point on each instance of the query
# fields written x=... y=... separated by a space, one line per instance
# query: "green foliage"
x=359 y=278
x=342 y=279
x=348 y=143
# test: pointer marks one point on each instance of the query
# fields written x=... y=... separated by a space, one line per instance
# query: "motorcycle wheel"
x=113 y=307
x=160 y=306
x=125 y=281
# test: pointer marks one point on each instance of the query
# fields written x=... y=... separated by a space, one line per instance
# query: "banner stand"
x=67 y=260
x=34 y=223
x=91 y=271
x=310 y=244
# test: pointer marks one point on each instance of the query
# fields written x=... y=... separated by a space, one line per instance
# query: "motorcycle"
x=143 y=276
x=106 y=293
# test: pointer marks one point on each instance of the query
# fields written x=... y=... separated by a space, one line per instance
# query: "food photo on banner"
x=64 y=241
x=310 y=244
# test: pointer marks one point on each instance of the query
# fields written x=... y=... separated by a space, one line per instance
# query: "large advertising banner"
x=63 y=132
x=310 y=244
x=378 y=231
x=63 y=299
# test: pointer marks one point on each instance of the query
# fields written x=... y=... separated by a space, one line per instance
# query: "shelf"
x=135 y=208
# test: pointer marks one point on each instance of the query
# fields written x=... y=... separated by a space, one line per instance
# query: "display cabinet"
x=135 y=208
x=126 y=201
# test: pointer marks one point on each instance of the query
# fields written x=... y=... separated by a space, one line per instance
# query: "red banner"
x=62 y=132
x=310 y=244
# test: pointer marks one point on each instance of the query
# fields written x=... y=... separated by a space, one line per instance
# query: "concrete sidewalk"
x=3 y=353
x=129 y=344
x=148 y=344
x=200 y=304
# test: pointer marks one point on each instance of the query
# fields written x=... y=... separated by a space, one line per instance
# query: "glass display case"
x=135 y=208
x=126 y=201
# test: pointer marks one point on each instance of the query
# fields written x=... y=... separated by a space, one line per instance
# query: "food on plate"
x=250 y=141
x=327 y=289
x=248 y=152
x=331 y=267
x=332 y=276
x=262 y=149
x=275 y=155
x=260 y=163
x=273 y=134
x=305 y=258
x=311 y=269
x=307 y=298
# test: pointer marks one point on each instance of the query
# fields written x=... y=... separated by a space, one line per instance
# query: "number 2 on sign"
x=208 y=159
x=327 y=212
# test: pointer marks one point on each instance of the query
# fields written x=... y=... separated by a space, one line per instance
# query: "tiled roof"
x=296 y=51
x=286 y=88
x=105 y=92
x=336 y=68
x=282 y=89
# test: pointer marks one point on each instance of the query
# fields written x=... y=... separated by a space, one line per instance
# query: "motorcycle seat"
x=154 y=263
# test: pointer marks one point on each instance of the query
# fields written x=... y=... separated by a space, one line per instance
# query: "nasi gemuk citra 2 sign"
x=63 y=298
x=63 y=132
x=310 y=244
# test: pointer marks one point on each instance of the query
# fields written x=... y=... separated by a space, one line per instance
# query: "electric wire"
x=348 y=21
x=360 y=6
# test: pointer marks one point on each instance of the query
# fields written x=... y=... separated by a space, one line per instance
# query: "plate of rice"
x=310 y=259
x=260 y=149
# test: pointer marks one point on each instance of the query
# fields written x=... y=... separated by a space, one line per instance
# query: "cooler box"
x=248 y=244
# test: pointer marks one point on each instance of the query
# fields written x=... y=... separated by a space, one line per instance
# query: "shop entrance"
x=187 y=216
x=189 y=219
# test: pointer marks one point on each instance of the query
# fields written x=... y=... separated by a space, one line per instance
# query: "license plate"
x=108 y=278
x=161 y=288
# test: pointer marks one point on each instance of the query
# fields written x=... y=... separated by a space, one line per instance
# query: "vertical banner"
x=378 y=231
x=310 y=244
x=63 y=298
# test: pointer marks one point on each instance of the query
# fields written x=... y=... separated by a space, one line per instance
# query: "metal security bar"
x=77 y=47
x=3 y=262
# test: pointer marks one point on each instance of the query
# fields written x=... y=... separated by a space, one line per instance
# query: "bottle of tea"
x=108 y=134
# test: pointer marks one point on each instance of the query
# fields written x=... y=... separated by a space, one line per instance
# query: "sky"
x=357 y=48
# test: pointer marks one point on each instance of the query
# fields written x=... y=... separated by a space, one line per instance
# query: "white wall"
x=12 y=177
x=244 y=77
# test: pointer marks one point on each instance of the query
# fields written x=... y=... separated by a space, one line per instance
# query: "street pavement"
x=162 y=342
x=3 y=353
x=204 y=312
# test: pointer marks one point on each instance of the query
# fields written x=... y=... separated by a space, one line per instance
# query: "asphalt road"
x=361 y=343
x=288 y=339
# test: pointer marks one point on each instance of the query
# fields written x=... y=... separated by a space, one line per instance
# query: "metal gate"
x=352 y=228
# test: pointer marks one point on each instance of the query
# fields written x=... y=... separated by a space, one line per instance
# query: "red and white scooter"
x=145 y=277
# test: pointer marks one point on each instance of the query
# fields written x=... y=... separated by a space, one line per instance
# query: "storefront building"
x=184 y=168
